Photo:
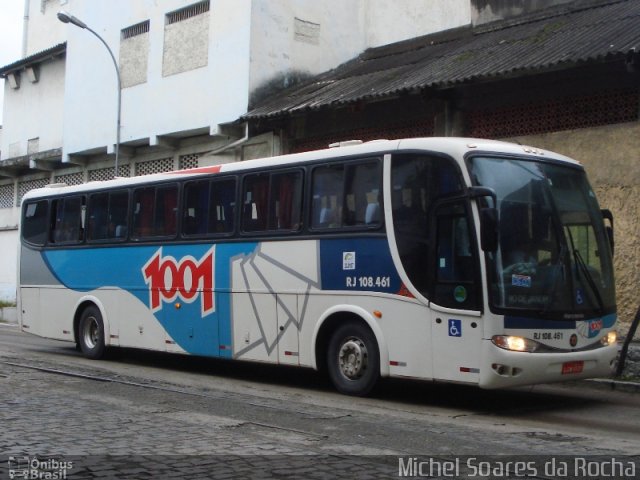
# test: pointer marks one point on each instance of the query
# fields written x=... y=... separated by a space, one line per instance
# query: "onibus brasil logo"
x=169 y=279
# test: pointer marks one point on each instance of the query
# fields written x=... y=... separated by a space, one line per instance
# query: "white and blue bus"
x=456 y=260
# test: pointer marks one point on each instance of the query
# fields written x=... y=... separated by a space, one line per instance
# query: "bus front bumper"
x=504 y=368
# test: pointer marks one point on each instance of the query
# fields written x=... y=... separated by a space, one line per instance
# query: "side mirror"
x=607 y=215
x=489 y=229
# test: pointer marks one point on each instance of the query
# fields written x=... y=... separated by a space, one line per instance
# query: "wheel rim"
x=353 y=358
x=91 y=332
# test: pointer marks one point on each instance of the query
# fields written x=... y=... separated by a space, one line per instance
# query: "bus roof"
x=454 y=146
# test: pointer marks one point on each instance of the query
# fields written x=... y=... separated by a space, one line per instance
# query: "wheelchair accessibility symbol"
x=455 y=328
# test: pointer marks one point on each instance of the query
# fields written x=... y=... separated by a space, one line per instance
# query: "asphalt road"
x=242 y=417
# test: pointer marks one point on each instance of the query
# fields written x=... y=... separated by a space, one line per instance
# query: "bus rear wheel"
x=91 y=333
x=353 y=359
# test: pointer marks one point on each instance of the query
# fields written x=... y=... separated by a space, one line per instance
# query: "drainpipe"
x=233 y=144
x=25 y=28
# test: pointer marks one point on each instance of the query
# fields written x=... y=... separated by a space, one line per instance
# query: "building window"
x=76 y=178
x=6 y=195
x=306 y=32
x=187 y=12
x=28 y=185
x=134 y=54
x=135 y=30
x=186 y=39
x=154 y=166
x=189 y=161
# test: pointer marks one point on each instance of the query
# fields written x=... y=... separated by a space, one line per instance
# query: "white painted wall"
x=388 y=22
x=276 y=50
x=279 y=56
x=191 y=100
x=44 y=30
x=35 y=110
x=8 y=263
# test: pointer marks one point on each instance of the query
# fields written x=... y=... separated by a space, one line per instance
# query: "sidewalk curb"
x=613 y=384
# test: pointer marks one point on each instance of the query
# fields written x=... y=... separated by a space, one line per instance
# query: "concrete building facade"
x=189 y=70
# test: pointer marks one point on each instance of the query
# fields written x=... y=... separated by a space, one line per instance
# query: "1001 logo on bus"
x=169 y=279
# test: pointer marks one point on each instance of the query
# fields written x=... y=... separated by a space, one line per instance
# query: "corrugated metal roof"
x=548 y=40
x=54 y=51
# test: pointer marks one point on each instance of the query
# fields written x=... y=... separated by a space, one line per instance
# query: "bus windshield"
x=553 y=258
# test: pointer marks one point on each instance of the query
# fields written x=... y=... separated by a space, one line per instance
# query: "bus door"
x=455 y=296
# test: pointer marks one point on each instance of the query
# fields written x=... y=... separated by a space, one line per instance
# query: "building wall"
x=610 y=156
x=9 y=249
x=388 y=22
x=484 y=11
x=37 y=111
x=197 y=72
x=44 y=30
x=291 y=41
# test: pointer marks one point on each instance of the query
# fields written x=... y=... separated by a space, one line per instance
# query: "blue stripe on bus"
x=89 y=269
x=363 y=264
x=356 y=264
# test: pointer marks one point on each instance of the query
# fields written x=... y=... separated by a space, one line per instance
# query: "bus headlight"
x=516 y=344
x=610 y=338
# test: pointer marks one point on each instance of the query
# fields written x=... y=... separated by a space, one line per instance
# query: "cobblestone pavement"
x=70 y=418
x=116 y=430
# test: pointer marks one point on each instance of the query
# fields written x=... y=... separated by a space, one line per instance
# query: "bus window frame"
x=112 y=240
x=182 y=207
x=155 y=238
x=345 y=163
x=53 y=209
x=47 y=220
x=240 y=202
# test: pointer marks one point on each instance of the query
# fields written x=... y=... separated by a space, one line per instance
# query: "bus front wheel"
x=353 y=359
x=91 y=333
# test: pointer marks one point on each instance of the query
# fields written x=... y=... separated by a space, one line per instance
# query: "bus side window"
x=143 y=200
x=222 y=206
x=196 y=195
x=118 y=215
x=327 y=190
x=166 y=211
x=272 y=202
x=362 y=195
x=107 y=216
x=34 y=222
x=98 y=217
x=346 y=196
x=286 y=201
x=255 y=207
x=68 y=223
x=155 y=211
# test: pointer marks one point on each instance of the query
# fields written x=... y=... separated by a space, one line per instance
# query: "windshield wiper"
x=589 y=278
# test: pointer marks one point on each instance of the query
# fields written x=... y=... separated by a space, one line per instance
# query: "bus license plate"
x=572 y=367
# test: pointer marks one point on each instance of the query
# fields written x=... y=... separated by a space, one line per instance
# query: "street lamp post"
x=64 y=17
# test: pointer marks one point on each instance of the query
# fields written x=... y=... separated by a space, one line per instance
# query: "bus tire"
x=353 y=359
x=91 y=333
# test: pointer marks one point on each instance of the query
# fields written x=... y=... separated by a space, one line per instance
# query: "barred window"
x=187 y=12
x=135 y=30
x=6 y=196
x=154 y=166
x=28 y=185
x=70 y=178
